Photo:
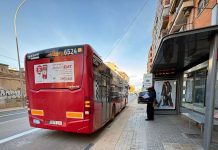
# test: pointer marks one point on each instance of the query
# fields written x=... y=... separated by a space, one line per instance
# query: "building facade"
x=160 y=24
x=185 y=58
x=114 y=67
x=174 y=16
x=10 y=91
x=150 y=60
x=179 y=15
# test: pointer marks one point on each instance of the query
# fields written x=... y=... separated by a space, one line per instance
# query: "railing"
x=177 y=9
x=185 y=27
x=184 y=4
x=166 y=18
x=172 y=5
x=164 y=32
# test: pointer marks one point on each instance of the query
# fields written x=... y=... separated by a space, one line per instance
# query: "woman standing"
x=150 y=104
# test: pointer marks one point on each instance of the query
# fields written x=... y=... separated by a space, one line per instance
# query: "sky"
x=119 y=30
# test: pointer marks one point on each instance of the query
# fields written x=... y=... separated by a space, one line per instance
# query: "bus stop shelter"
x=183 y=50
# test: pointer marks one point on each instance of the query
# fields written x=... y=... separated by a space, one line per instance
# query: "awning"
x=183 y=50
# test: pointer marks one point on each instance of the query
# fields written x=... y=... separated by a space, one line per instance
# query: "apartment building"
x=149 y=63
x=114 y=67
x=179 y=15
x=184 y=60
x=176 y=16
x=160 y=23
x=190 y=14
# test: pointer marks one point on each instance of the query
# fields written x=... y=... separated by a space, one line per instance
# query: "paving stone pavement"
x=130 y=131
x=164 y=133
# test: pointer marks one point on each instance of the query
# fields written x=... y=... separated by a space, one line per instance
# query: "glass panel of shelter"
x=200 y=87
x=194 y=88
x=215 y=128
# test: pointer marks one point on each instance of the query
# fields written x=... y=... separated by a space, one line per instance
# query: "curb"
x=12 y=109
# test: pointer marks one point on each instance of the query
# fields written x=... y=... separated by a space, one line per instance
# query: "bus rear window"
x=55 y=68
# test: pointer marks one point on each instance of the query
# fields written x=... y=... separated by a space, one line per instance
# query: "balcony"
x=186 y=27
x=165 y=17
x=164 y=32
x=173 y=5
x=181 y=14
x=166 y=2
x=165 y=20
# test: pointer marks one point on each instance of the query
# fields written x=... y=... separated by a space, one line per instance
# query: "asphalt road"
x=11 y=115
x=15 y=133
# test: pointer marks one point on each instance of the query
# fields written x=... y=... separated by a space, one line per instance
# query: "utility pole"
x=18 y=55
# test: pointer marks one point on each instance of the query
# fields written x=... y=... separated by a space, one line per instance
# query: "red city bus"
x=71 y=89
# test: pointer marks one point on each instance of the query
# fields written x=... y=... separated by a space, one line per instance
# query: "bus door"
x=104 y=98
x=108 y=101
x=101 y=89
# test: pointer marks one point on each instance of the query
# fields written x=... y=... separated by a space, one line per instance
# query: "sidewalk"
x=130 y=131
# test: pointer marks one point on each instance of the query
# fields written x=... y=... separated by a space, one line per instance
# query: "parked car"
x=142 y=99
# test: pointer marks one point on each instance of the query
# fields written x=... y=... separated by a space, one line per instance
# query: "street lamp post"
x=18 y=55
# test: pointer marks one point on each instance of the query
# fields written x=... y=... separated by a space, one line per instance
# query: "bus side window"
x=97 y=89
x=103 y=88
x=101 y=80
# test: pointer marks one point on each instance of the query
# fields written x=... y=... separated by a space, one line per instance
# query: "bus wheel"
x=113 y=112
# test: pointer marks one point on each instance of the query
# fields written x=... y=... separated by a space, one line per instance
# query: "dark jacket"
x=152 y=95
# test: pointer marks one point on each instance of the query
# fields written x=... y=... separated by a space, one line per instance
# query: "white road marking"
x=13 y=114
x=18 y=135
x=12 y=120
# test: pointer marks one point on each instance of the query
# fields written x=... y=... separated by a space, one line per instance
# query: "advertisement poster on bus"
x=165 y=94
x=54 y=72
